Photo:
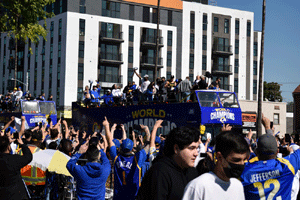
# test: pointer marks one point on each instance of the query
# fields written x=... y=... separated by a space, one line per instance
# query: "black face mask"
x=234 y=170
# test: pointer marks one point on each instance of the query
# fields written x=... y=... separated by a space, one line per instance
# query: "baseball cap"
x=267 y=144
x=108 y=90
x=117 y=143
x=157 y=140
x=11 y=129
x=146 y=75
x=37 y=135
x=15 y=88
x=126 y=145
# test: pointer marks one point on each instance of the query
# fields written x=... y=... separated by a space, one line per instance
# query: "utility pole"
x=157 y=40
x=261 y=68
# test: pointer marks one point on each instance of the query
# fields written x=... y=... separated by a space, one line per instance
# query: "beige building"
x=275 y=111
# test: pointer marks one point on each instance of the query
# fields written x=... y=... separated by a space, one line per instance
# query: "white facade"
x=243 y=17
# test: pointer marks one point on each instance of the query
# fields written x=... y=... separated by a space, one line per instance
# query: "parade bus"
x=212 y=109
x=34 y=112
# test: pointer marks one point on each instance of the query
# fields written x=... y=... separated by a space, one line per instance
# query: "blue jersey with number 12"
x=270 y=179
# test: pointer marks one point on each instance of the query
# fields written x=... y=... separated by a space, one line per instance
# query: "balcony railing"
x=224 y=49
x=110 y=56
x=223 y=68
x=226 y=87
x=151 y=39
x=110 y=78
x=113 y=35
x=151 y=60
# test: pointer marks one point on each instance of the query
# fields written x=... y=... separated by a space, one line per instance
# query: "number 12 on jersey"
x=261 y=189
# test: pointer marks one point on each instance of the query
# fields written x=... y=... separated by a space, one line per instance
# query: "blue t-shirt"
x=127 y=173
x=270 y=179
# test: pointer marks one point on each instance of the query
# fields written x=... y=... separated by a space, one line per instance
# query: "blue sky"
x=282 y=39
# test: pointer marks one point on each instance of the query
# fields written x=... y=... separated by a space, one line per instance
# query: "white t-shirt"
x=209 y=186
x=144 y=85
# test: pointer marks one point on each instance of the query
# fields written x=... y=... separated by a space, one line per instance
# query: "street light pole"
x=26 y=84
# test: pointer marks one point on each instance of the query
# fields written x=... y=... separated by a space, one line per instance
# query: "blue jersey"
x=270 y=179
x=127 y=174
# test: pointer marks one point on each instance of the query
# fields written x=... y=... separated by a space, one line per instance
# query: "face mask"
x=234 y=170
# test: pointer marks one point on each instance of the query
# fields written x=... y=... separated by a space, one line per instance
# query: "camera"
x=208 y=74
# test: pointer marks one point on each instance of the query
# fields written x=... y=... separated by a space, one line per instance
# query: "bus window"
x=47 y=107
x=228 y=100
x=29 y=107
x=208 y=99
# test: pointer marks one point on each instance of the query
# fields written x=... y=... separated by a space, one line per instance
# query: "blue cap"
x=11 y=129
x=126 y=145
x=117 y=143
x=157 y=140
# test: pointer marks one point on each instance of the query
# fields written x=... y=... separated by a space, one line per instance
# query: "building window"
x=255 y=49
x=226 y=26
x=82 y=8
x=216 y=24
x=169 y=58
x=204 y=42
x=254 y=86
x=110 y=9
x=131 y=12
x=192 y=40
x=110 y=52
x=170 y=17
x=191 y=61
x=80 y=71
x=237 y=27
x=236 y=85
x=236 y=66
x=255 y=67
x=82 y=27
x=204 y=22
x=192 y=20
x=130 y=55
x=130 y=75
x=248 y=29
x=237 y=44
x=146 y=14
x=109 y=74
x=60 y=6
x=154 y=15
x=131 y=33
x=169 y=74
x=191 y=76
x=170 y=37
x=204 y=60
x=81 y=49
x=276 y=119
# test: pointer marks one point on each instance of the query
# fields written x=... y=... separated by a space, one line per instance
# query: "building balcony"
x=150 y=41
x=223 y=50
x=222 y=70
x=150 y=62
x=114 y=37
x=110 y=78
x=111 y=58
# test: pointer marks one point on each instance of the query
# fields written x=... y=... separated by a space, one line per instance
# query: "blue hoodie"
x=91 y=178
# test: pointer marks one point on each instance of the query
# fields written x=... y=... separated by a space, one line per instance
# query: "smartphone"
x=296 y=138
x=118 y=126
x=271 y=125
x=164 y=123
x=287 y=138
x=40 y=125
x=130 y=129
x=137 y=127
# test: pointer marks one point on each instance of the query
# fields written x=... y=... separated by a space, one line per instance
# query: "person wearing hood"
x=169 y=175
x=90 y=178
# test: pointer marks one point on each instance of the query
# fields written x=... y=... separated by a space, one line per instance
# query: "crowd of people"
x=162 y=90
x=11 y=101
x=180 y=165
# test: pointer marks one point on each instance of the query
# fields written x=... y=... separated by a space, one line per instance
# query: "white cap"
x=146 y=76
x=108 y=90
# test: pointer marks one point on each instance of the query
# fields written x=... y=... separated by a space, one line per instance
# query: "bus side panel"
x=176 y=115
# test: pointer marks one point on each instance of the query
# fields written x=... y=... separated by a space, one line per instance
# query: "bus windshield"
x=208 y=99
x=228 y=100
x=47 y=108
x=30 y=107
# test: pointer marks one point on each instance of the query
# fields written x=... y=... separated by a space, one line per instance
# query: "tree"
x=261 y=71
x=272 y=91
x=19 y=18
